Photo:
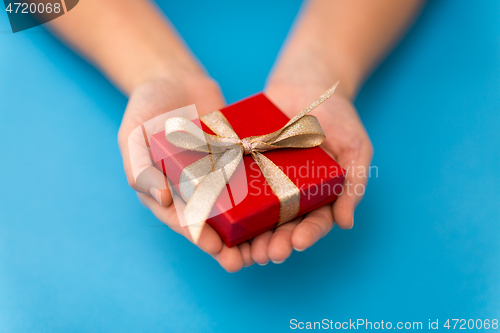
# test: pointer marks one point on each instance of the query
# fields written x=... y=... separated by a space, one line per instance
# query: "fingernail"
x=278 y=262
x=156 y=194
x=352 y=224
x=298 y=250
x=263 y=264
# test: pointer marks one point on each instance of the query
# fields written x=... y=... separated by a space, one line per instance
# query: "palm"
x=151 y=100
x=347 y=142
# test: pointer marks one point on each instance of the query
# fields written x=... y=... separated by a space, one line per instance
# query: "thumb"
x=152 y=181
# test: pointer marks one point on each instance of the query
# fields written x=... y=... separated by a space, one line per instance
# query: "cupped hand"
x=348 y=143
x=149 y=101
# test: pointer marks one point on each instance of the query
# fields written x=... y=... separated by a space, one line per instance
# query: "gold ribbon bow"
x=203 y=181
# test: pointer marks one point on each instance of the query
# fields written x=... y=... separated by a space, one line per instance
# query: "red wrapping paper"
x=312 y=170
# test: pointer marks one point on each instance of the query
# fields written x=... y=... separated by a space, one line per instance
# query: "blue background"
x=79 y=253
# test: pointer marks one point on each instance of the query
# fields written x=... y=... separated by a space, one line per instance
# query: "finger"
x=245 y=250
x=280 y=245
x=134 y=147
x=354 y=186
x=141 y=174
x=134 y=139
x=209 y=241
x=314 y=226
x=153 y=182
x=229 y=258
x=259 y=248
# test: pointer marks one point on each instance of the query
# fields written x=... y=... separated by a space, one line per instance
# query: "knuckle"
x=131 y=182
x=317 y=228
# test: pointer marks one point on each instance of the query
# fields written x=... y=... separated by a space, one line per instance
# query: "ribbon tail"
x=195 y=231
x=203 y=199
x=314 y=104
x=286 y=191
x=193 y=174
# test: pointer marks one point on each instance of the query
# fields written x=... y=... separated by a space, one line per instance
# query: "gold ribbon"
x=202 y=182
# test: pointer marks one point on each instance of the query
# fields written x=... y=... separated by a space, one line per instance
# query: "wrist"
x=179 y=71
x=182 y=87
x=314 y=69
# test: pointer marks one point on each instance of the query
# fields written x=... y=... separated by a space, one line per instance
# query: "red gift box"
x=318 y=177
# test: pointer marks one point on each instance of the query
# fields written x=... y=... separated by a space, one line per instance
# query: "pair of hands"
x=346 y=141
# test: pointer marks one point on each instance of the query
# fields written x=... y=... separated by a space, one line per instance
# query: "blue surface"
x=79 y=253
